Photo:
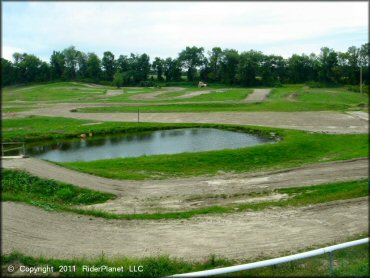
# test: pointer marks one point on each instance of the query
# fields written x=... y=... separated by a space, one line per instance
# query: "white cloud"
x=7 y=52
x=164 y=28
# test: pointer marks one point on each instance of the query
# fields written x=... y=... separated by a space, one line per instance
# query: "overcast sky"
x=165 y=28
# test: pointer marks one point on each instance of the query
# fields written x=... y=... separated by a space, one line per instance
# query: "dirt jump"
x=258 y=95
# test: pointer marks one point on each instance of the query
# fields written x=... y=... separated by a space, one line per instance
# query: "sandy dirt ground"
x=258 y=95
x=112 y=93
x=239 y=236
x=190 y=193
x=154 y=95
x=198 y=93
x=318 y=121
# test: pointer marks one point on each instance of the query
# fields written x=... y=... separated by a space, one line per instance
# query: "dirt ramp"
x=258 y=95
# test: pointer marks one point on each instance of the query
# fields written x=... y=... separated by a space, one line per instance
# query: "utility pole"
x=361 y=79
x=138 y=115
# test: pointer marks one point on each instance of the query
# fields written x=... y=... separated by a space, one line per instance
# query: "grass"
x=38 y=128
x=60 y=91
x=347 y=262
x=15 y=109
x=285 y=99
x=296 y=149
x=19 y=186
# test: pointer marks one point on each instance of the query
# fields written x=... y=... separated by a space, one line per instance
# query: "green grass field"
x=296 y=149
x=286 y=98
x=36 y=128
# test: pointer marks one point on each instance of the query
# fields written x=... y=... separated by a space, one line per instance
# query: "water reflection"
x=144 y=143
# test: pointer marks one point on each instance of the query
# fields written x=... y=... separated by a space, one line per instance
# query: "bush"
x=356 y=88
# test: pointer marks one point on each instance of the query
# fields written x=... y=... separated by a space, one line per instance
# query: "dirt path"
x=112 y=93
x=190 y=193
x=244 y=235
x=318 y=121
x=258 y=95
x=198 y=93
x=154 y=95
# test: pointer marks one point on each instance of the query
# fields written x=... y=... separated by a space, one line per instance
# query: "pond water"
x=144 y=143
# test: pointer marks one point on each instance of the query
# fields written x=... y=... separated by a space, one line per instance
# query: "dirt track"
x=240 y=236
x=190 y=193
x=258 y=95
x=319 y=121
x=154 y=95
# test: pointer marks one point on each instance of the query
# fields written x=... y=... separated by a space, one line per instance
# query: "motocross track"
x=190 y=193
x=240 y=235
x=319 y=121
x=245 y=235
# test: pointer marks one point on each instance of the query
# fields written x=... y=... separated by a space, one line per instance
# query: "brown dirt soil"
x=318 y=121
x=154 y=95
x=258 y=95
x=245 y=235
x=183 y=194
x=198 y=93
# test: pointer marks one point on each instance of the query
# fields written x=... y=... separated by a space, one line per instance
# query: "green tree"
x=93 y=67
x=7 y=73
x=328 y=60
x=172 y=69
x=158 y=66
x=229 y=66
x=70 y=58
x=57 y=65
x=118 y=79
x=109 y=65
x=81 y=65
x=191 y=58
x=215 y=64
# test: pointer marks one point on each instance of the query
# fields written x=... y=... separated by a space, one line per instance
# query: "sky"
x=163 y=29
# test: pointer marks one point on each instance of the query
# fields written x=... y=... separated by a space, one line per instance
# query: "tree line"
x=226 y=66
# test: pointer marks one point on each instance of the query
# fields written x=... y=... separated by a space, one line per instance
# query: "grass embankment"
x=296 y=149
x=285 y=99
x=347 y=262
x=22 y=187
x=52 y=91
x=38 y=128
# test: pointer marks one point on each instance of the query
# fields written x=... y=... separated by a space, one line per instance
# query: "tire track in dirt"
x=258 y=95
x=154 y=95
x=179 y=194
x=244 y=235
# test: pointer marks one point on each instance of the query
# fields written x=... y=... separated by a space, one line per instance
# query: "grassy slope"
x=36 y=128
x=347 y=262
x=22 y=187
x=301 y=99
x=297 y=148
x=52 y=91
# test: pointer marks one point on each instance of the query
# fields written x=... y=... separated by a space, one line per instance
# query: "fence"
x=22 y=148
x=237 y=268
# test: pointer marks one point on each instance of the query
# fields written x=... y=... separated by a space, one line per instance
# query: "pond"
x=144 y=143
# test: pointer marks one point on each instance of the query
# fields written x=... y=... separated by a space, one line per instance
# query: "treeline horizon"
x=225 y=66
